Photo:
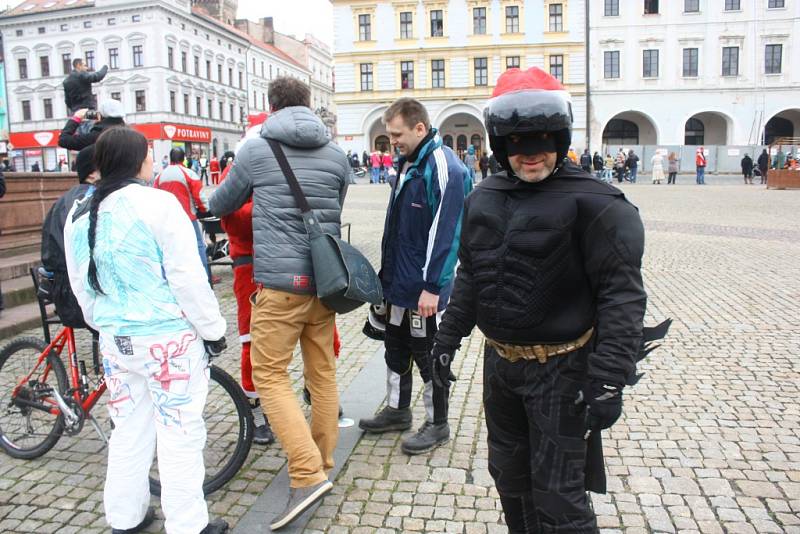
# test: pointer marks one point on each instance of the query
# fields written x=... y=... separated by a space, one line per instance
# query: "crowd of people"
x=382 y=164
x=126 y=253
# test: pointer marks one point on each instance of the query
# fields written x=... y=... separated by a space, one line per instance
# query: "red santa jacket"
x=239 y=227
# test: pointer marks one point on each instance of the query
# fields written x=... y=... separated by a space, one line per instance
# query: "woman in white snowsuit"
x=132 y=260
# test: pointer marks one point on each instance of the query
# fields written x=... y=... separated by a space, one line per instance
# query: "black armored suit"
x=547 y=263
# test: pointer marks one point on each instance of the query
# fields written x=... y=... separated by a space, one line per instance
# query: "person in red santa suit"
x=213 y=167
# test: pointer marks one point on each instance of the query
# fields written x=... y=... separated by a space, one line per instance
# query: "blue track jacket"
x=423 y=225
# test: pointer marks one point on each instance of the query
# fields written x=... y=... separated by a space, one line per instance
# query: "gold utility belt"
x=514 y=353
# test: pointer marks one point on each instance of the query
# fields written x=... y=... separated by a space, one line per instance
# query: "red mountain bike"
x=40 y=402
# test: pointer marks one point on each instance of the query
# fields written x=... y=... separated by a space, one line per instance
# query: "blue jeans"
x=376 y=173
x=633 y=174
x=701 y=175
x=201 y=247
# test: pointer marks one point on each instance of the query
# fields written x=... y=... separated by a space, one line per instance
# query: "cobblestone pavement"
x=710 y=439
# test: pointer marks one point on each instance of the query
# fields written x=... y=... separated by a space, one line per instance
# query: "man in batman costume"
x=550 y=271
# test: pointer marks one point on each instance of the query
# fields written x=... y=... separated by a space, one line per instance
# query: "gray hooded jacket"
x=282 y=256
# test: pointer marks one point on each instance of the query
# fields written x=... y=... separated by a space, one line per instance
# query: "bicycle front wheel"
x=27 y=428
x=229 y=433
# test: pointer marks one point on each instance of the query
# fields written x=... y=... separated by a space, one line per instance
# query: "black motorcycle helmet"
x=375 y=325
x=525 y=102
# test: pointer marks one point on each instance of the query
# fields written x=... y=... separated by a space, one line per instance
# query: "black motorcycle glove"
x=604 y=405
x=440 y=360
x=215 y=348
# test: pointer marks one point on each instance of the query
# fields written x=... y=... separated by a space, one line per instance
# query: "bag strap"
x=297 y=191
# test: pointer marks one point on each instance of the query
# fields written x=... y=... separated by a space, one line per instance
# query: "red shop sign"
x=174 y=132
x=182 y=132
x=44 y=138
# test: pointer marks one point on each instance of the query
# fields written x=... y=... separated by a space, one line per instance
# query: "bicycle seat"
x=44 y=273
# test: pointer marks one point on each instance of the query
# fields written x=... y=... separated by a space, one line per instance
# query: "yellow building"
x=448 y=54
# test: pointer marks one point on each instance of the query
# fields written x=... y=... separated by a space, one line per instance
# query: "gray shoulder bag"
x=343 y=277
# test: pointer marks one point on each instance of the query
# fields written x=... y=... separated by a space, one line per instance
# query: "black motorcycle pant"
x=537 y=453
x=407 y=344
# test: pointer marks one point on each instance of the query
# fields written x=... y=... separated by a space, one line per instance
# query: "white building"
x=182 y=76
x=694 y=72
x=448 y=54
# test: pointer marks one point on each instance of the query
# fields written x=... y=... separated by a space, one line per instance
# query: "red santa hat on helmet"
x=528 y=101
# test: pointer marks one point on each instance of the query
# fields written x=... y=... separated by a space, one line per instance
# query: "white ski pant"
x=157 y=390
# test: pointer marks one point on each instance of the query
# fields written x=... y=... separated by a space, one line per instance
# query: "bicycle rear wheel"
x=27 y=432
x=229 y=431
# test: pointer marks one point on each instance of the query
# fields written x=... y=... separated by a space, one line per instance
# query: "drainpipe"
x=587 y=80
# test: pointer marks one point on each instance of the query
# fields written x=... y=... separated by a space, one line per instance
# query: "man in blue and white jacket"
x=420 y=243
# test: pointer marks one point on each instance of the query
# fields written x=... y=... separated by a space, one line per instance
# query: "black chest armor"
x=528 y=279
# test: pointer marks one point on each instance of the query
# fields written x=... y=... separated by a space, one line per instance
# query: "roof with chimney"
x=272 y=49
x=28 y=7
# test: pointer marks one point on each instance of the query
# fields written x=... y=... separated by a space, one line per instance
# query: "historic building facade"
x=448 y=54
x=184 y=77
x=693 y=72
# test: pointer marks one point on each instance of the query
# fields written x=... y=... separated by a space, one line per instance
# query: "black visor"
x=530 y=144
x=528 y=111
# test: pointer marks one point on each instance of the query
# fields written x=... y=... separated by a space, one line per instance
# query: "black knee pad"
x=398 y=362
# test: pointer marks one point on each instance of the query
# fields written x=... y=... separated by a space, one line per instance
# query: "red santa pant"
x=243 y=287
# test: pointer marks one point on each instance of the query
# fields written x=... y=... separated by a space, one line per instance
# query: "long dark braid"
x=119 y=155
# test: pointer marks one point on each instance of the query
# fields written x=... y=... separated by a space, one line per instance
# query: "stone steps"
x=19 y=298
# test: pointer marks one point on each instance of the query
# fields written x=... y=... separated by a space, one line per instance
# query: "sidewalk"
x=709 y=441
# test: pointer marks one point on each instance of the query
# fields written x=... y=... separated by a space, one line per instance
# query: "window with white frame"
x=556 y=12
x=611 y=64
x=366 y=76
x=690 y=62
x=479 y=21
x=557 y=67
x=437 y=23
x=407 y=74
x=773 y=58
x=406 y=25
x=512 y=19
x=138 y=55
x=650 y=63
x=730 y=61
x=437 y=73
x=481 y=71
x=364 y=28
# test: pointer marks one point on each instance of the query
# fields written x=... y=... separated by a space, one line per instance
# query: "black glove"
x=215 y=348
x=440 y=361
x=604 y=405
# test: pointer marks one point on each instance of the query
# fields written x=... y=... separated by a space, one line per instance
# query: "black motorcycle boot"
x=427 y=438
x=387 y=419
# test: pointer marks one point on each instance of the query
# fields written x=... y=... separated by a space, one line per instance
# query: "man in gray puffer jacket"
x=285 y=306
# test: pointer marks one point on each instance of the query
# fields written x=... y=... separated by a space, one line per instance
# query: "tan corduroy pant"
x=278 y=321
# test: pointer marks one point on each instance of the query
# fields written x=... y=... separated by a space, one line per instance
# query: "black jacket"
x=763 y=161
x=78 y=88
x=747 y=165
x=71 y=139
x=493 y=164
x=54 y=260
x=544 y=262
x=2 y=185
x=598 y=162
x=586 y=160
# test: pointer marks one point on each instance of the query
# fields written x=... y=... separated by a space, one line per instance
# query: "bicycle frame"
x=64 y=338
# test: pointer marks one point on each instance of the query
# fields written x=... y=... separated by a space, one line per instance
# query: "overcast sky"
x=296 y=17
